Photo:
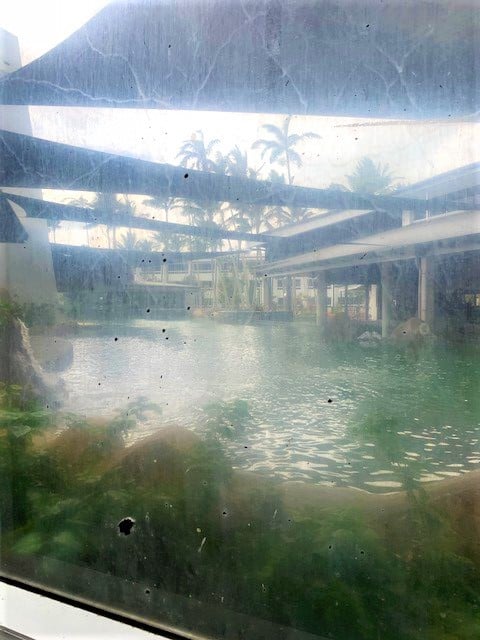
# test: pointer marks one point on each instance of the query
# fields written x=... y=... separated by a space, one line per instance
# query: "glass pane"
x=240 y=314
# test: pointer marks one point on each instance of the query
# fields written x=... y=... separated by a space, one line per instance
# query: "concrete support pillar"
x=289 y=294
x=214 y=284
x=378 y=300
x=426 y=290
x=373 y=311
x=267 y=293
x=407 y=217
x=386 y=272
x=321 y=301
x=165 y=272
x=345 y=300
x=367 y=302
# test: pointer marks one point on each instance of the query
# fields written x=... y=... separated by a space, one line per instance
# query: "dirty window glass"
x=240 y=314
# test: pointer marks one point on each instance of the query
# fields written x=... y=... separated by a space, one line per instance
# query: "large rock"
x=166 y=457
x=52 y=353
x=456 y=501
x=19 y=365
x=86 y=448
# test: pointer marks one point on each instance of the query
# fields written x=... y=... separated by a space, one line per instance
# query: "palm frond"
x=262 y=142
x=276 y=154
x=311 y=135
x=276 y=132
x=295 y=158
x=294 y=139
x=211 y=145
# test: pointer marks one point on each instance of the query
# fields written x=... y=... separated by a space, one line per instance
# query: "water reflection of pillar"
x=426 y=290
x=386 y=272
x=289 y=294
x=267 y=293
x=321 y=301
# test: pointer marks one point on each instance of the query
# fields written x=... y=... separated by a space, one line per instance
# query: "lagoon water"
x=334 y=414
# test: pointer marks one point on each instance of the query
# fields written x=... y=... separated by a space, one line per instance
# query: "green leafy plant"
x=226 y=418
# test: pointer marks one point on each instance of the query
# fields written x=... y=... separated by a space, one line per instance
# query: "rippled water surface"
x=341 y=414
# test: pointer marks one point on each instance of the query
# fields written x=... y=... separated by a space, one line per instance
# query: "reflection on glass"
x=239 y=319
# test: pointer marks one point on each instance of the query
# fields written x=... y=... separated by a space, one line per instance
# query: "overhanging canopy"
x=457 y=226
x=35 y=208
x=35 y=163
x=11 y=229
x=133 y=257
x=396 y=58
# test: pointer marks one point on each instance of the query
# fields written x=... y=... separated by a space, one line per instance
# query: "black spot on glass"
x=125 y=526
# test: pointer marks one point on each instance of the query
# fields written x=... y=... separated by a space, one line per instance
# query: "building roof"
x=337 y=248
x=458 y=181
x=325 y=219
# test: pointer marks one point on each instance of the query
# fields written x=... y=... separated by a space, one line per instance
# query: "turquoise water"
x=333 y=414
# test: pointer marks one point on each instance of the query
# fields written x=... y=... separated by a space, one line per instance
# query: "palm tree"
x=127 y=207
x=280 y=146
x=108 y=204
x=237 y=164
x=53 y=225
x=244 y=216
x=130 y=242
x=371 y=179
x=240 y=214
x=85 y=204
x=277 y=213
x=196 y=154
x=168 y=241
x=166 y=203
x=204 y=217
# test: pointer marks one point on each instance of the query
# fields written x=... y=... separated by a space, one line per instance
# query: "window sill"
x=41 y=618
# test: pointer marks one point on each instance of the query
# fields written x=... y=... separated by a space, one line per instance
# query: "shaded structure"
x=354 y=239
x=30 y=162
x=273 y=56
x=397 y=252
x=284 y=57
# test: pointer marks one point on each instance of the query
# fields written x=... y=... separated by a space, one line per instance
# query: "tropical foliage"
x=131 y=242
x=281 y=146
x=203 y=156
x=370 y=178
x=170 y=516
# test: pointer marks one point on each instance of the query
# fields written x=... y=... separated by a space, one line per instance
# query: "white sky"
x=42 y=24
x=413 y=150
